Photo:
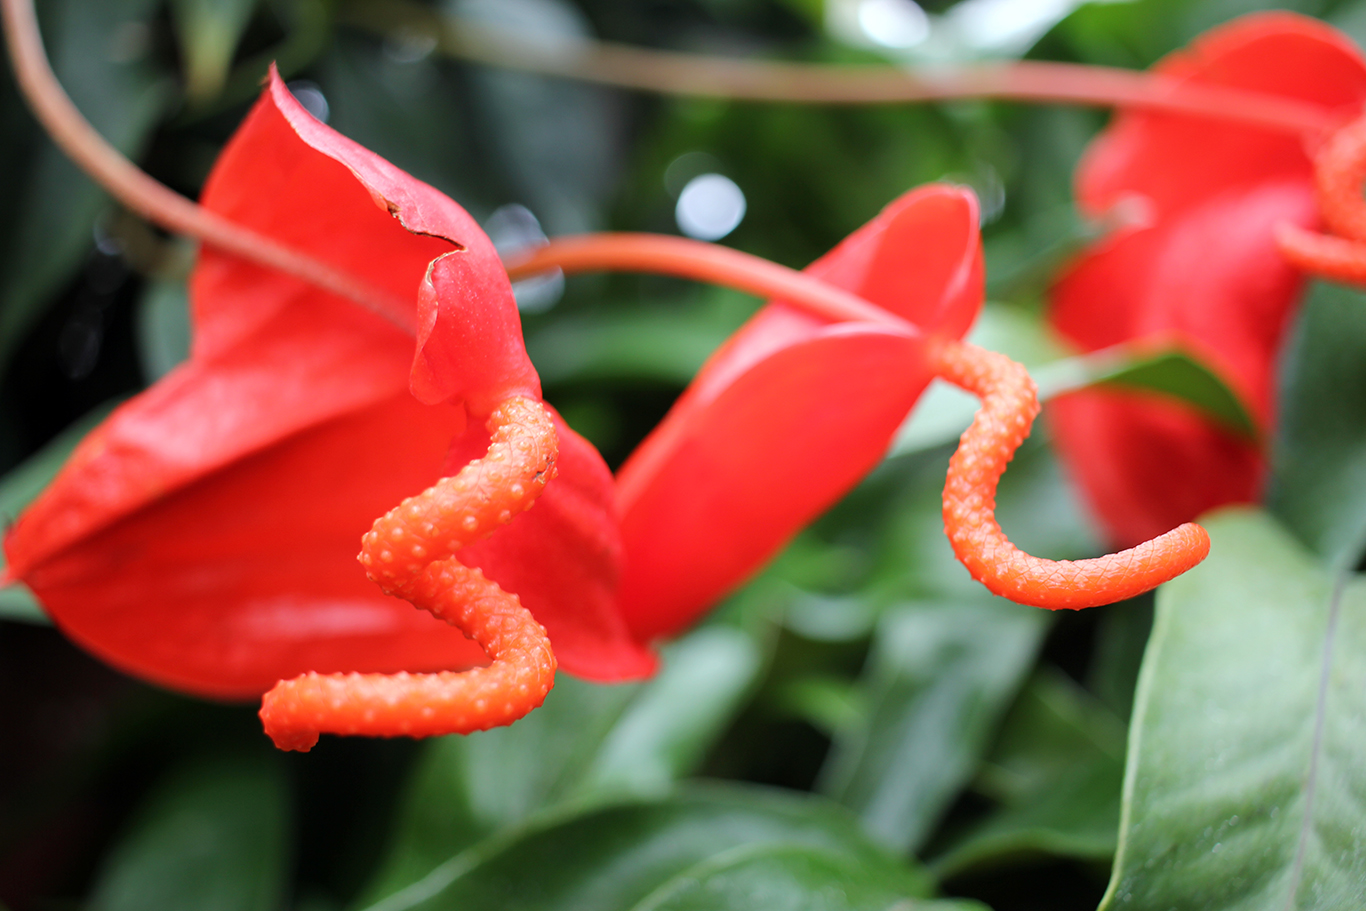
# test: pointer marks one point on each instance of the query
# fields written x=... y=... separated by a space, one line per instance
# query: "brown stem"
x=671 y=73
x=151 y=198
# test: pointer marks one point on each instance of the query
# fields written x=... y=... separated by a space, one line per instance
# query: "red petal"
x=289 y=176
x=732 y=482
x=1147 y=464
x=790 y=414
x=1174 y=161
x=250 y=575
x=315 y=361
x=1209 y=278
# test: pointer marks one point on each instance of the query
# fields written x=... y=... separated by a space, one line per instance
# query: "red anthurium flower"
x=1197 y=267
x=792 y=412
x=204 y=537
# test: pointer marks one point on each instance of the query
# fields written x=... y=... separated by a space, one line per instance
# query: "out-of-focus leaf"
x=1318 y=486
x=560 y=141
x=664 y=732
x=208 y=31
x=163 y=327
x=101 y=52
x=716 y=839
x=587 y=743
x=1173 y=373
x=664 y=346
x=1120 y=642
x=938 y=678
x=1244 y=781
x=1057 y=770
x=17 y=490
x=213 y=838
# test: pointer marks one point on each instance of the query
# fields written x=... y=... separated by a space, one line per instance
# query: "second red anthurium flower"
x=1198 y=267
x=204 y=537
x=792 y=412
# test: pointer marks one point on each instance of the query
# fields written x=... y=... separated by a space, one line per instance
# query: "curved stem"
x=1009 y=406
x=151 y=198
x=704 y=262
x=672 y=73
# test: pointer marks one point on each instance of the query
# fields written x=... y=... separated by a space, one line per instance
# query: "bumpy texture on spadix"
x=1009 y=406
x=1339 y=172
x=410 y=553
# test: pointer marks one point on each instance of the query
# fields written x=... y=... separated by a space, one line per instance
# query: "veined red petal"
x=790 y=414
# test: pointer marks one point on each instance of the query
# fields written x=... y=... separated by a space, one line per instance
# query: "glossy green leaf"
x=1318 y=483
x=587 y=743
x=1171 y=373
x=17 y=490
x=641 y=856
x=208 y=32
x=1056 y=770
x=102 y=53
x=939 y=677
x=213 y=838
x=1244 y=784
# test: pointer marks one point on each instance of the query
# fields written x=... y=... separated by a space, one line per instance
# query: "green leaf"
x=213 y=838
x=208 y=32
x=1056 y=770
x=666 y=346
x=1318 y=485
x=945 y=411
x=586 y=743
x=102 y=53
x=1244 y=783
x=708 y=841
x=17 y=490
x=162 y=322
x=665 y=731
x=1171 y=373
x=939 y=676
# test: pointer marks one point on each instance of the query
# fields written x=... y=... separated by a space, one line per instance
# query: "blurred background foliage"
x=975 y=746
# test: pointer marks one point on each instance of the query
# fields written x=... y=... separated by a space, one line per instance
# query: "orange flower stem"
x=410 y=553
x=704 y=262
x=149 y=197
x=673 y=73
x=1009 y=406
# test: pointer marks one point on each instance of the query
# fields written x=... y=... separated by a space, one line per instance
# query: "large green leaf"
x=213 y=838
x=1056 y=770
x=102 y=53
x=938 y=679
x=1244 y=786
x=713 y=846
x=1319 y=463
x=586 y=743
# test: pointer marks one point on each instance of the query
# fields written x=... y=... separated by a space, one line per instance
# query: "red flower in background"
x=204 y=537
x=1199 y=269
x=792 y=412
